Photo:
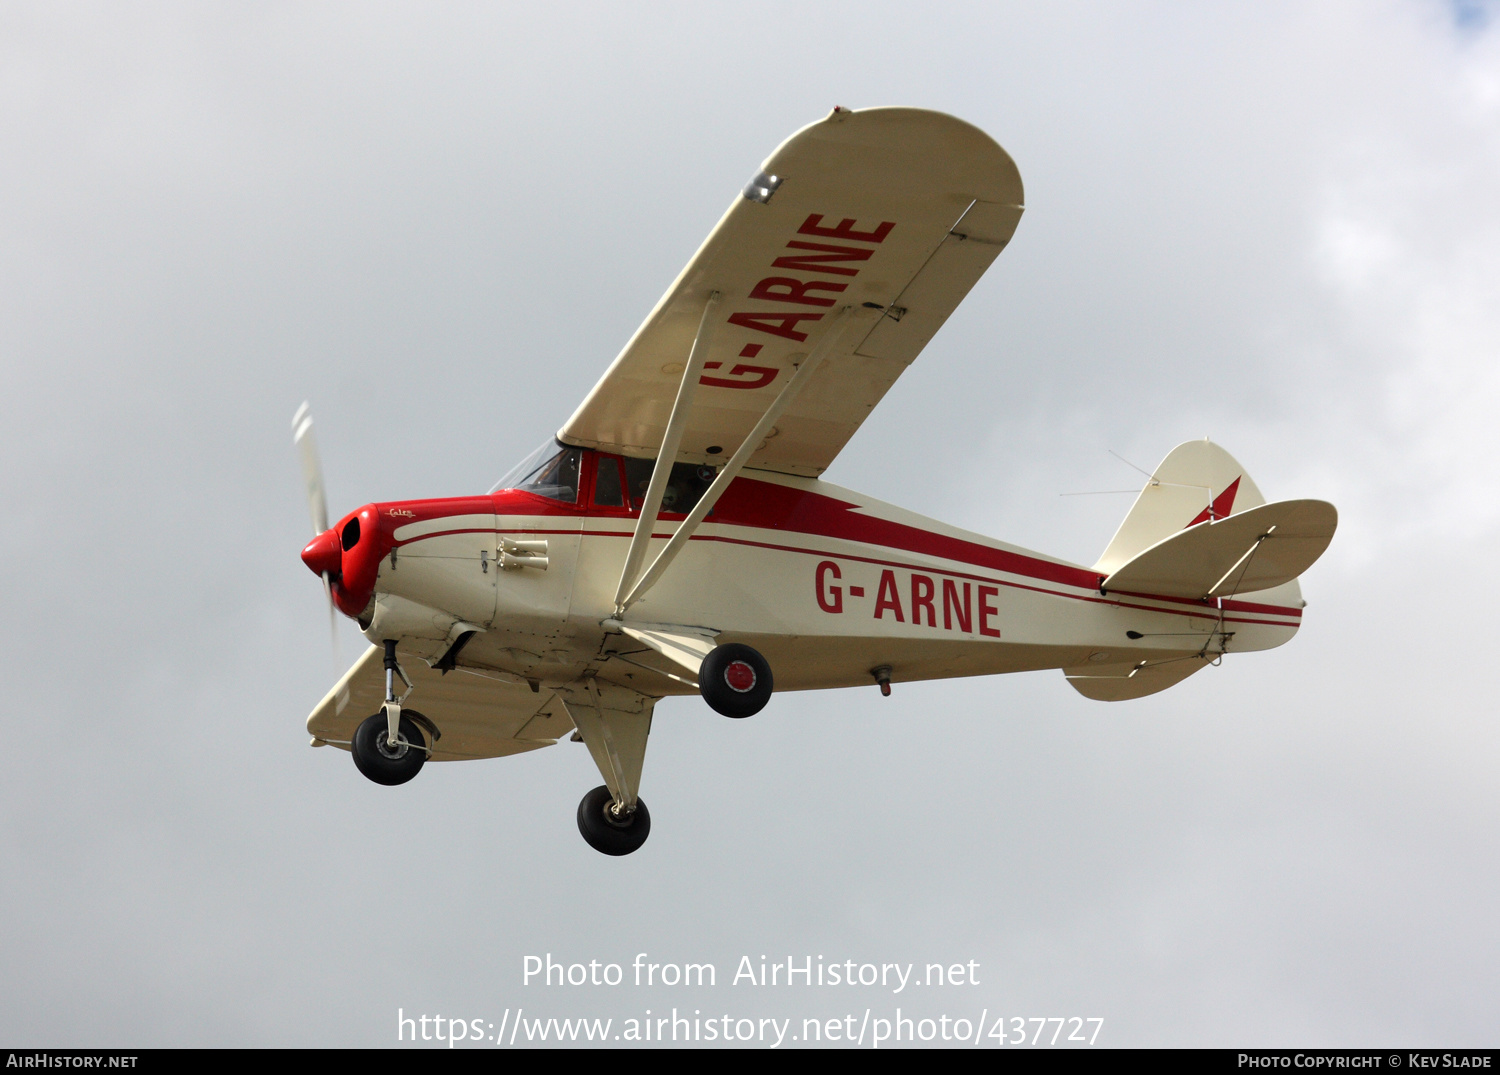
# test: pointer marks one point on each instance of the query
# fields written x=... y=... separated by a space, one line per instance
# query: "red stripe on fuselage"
x=1202 y=602
x=769 y=506
x=1204 y=612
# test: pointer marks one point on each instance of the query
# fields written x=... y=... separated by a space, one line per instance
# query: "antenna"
x=1128 y=463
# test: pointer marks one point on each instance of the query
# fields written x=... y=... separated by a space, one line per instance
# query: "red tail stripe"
x=1220 y=507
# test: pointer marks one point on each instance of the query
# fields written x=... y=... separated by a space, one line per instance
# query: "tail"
x=1197 y=482
x=1201 y=530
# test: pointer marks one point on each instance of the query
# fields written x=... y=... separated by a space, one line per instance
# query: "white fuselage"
x=827 y=584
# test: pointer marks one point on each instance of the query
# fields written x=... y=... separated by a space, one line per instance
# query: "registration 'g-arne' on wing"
x=895 y=212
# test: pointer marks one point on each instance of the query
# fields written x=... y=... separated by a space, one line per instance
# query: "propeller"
x=317 y=501
x=312 y=467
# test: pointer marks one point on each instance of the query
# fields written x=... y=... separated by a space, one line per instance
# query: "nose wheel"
x=383 y=760
x=609 y=830
x=735 y=680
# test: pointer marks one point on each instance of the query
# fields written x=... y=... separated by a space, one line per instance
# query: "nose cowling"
x=324 y=554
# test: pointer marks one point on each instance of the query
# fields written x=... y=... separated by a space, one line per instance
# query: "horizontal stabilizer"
x=1254 y=550
x=1121 y=682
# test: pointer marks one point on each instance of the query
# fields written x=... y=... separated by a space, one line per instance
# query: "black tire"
x=735 y=680
x=389 y=767
x=604 y=832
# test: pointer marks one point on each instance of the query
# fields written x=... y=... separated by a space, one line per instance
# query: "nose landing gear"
x=387 y=746
x=383 y=761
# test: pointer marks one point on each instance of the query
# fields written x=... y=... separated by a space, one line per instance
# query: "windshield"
x=550 y=471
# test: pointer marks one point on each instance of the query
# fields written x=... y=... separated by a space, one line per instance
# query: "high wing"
x=477 y=716
x=895 y=212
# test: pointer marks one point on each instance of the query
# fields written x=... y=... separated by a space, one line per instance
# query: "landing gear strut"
x=609 y=831
x=735 y=680
x=387 y=746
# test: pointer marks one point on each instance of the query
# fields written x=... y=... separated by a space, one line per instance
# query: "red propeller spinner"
x=324 y=554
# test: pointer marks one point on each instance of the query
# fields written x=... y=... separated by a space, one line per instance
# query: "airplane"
x=590 y=583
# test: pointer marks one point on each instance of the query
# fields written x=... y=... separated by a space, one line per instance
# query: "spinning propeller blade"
x=317 y=502
x=333 y=620
x=312 y=467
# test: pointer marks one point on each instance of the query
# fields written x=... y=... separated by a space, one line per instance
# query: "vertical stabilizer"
x=1196 y=482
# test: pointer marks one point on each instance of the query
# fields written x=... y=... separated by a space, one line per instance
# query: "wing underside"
x=476 y=716
x=895 y=212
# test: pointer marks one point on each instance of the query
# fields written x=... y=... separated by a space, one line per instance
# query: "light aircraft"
x=590 y=583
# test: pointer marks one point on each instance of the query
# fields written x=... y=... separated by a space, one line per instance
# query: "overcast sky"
x=1274 y=224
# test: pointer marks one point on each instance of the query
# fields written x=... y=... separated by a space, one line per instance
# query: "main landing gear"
x=735 y=680
x=609 y=830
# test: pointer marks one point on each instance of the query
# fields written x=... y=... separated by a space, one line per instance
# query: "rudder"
x=1197 y=481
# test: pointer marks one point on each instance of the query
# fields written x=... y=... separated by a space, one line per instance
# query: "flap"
x=478 y=716
x=893 y=211
x=684 y=646
x=1254 y=550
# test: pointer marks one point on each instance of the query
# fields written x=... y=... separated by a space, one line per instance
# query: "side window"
x=685 y=487
x=608 y=492
x=637 y=478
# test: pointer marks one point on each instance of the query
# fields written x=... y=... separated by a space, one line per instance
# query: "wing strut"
x=669 y=442
x=736 y=462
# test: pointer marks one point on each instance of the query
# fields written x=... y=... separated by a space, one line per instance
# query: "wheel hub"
x=383 y=744
x=739 y=677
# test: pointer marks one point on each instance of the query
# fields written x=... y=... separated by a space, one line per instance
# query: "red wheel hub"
x=740 y=676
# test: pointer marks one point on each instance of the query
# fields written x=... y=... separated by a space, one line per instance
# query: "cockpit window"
x=550 y=471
